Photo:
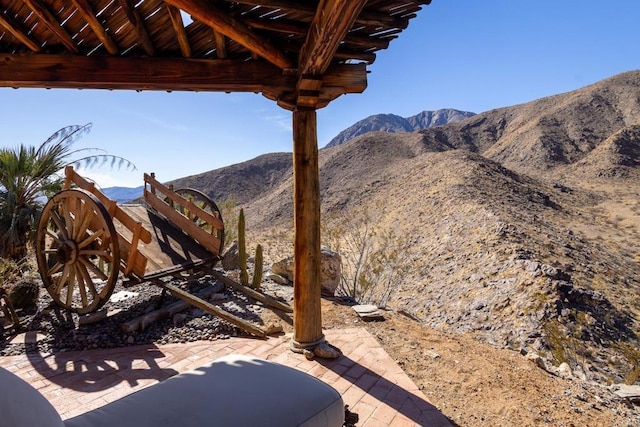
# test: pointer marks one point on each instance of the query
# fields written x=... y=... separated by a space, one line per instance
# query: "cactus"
x=242 y=257
x=242 y=250
x=257 y=269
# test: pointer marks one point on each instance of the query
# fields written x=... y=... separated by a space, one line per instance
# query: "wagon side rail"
x=164 y=200
x=132 y=259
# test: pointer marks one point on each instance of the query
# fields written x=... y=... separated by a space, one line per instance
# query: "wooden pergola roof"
x=300 y=53
x=296 y=52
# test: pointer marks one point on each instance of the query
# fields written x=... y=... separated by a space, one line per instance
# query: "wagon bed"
x=85 y=240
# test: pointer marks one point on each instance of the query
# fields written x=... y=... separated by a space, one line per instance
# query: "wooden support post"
x=307 y=317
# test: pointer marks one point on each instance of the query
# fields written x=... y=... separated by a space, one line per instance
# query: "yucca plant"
x=29 y=174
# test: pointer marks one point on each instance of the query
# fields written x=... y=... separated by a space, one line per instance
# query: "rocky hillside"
x=544 y=136
x=519 y=226
x=243 y=182
x=394 y=123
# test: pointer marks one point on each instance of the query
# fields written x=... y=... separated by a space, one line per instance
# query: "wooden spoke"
x=59 y=222
x=95 y=269
x=76 y=210
x=92 y=238
x=87 y=280
x=70 y=284
x=81 y=285
x=62 y=280
x=53 y=236
x=77 y=251
x=87 y=217
x=53 y=270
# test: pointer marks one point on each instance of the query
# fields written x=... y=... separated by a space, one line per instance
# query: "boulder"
x=330 y=270
x=231 y=259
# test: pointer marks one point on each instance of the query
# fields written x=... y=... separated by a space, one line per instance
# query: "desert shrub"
x=375 y=259
x=17 y=279
x=23 y=293
x=10 y=270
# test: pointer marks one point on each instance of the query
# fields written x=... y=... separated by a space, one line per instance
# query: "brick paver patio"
x=368 y=379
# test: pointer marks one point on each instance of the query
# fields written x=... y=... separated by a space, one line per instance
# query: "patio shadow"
x=100 y=370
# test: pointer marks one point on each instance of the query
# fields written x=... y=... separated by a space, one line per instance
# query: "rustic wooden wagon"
x=85 y=240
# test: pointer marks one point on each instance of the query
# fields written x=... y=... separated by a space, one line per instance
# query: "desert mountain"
x=545 y=135
x=394 y=123
x=243 y=182
x=518 y=225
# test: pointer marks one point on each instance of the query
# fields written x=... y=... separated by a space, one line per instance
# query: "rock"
x=327 y=351
x=580 y=373
x=368 y=312
x=564 y=370
x=279 y=279
x=122 y=295
x=432 y=354
x=549 y=270
x=627 y=391
x=330 y=270
x=231 y=260
x=94 y=317
x=283 y=268
x=274 y=329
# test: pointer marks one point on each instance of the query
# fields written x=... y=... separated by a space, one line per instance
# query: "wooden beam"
x=138 y=23
x=248 y=291
x=107 y=72
x=287 y=27
x=178 y=27
x=370 y=18
x=84 y=8
x=51 y=22
x=221 y=44
x=307 y=316
x=8 y=24
x=220 y=21
x=332 y=21
x=212 y=309
x=338 y=80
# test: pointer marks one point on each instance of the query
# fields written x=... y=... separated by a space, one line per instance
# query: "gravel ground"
x=60 y=330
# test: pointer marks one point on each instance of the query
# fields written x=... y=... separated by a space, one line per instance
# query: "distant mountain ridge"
x=394 y=123
x=123 y=194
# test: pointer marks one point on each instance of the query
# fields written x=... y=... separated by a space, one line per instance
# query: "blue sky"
x=466 y=54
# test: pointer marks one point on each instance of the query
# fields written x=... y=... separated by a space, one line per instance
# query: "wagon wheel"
x=77 y=251
x=206 y=204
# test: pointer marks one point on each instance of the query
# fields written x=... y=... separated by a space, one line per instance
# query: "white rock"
x=122 y=295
